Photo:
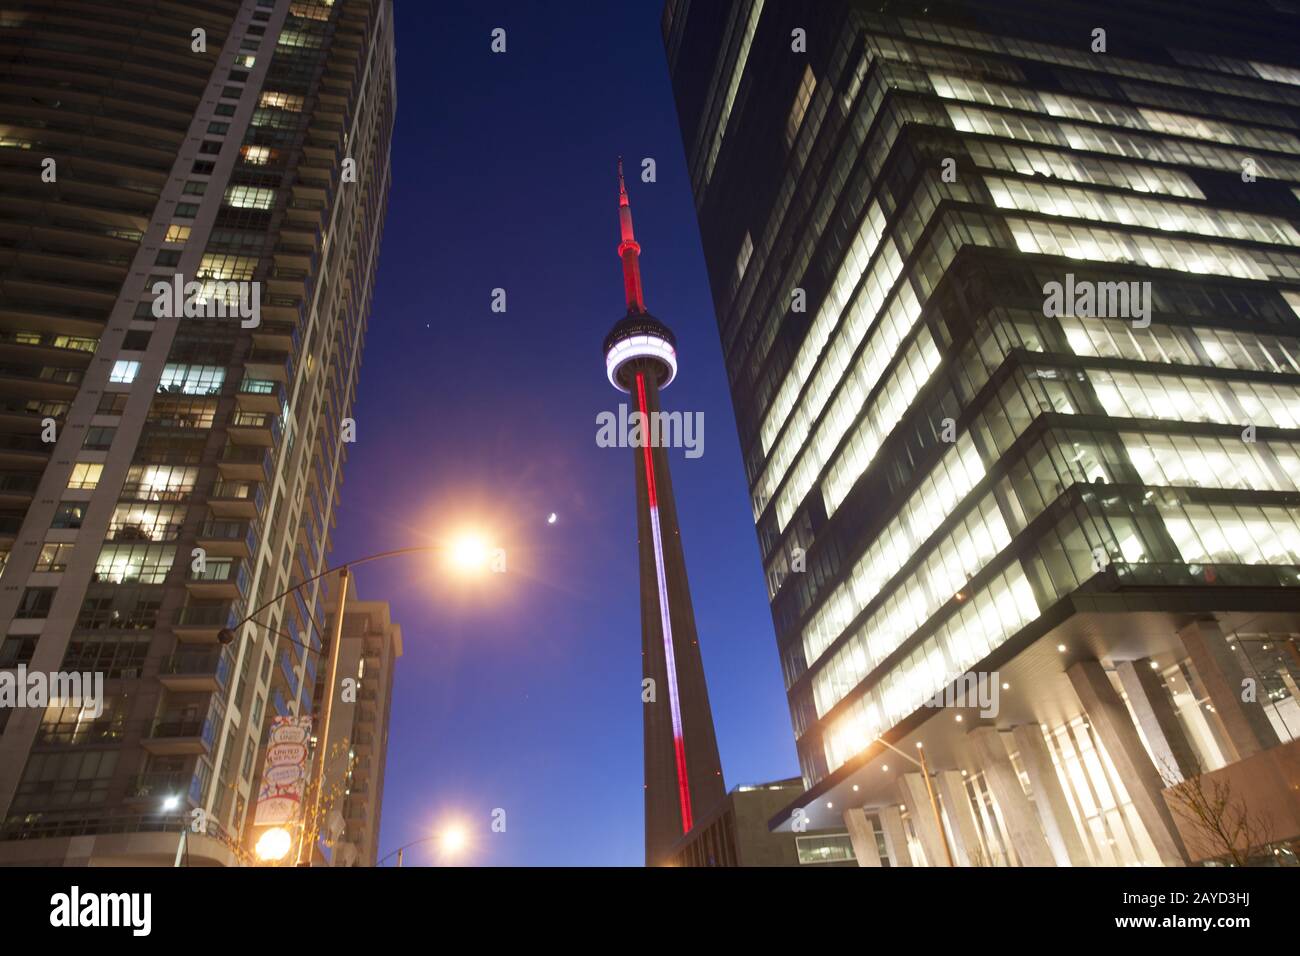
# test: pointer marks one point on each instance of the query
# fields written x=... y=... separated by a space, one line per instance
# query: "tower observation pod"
x=683 y=775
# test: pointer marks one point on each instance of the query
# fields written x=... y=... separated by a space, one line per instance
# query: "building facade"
x=172 y=461
x=358 y=744
x=1009 y=296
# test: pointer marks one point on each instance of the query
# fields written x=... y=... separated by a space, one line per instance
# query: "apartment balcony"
x=226 y=579
x=278 y=333
x=196 y=669
x=228 y=539
x=157 y=785
x=18 y=488
x=246 y=463
x=10 y=525
x=236 y=499
x=24 y=452
x=363 y=744
x=174 y=734
x=200 y=623
x=254 y=428
x=274 y=365
x=260 y=395
x=290 y=282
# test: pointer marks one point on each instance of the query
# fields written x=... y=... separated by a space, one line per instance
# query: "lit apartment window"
x=255 y=155
x=247 y=62
x=85 y=476
x=742 y=257
x=124 y=372
x=53 y=558
x=802 y=97
x=284 y=101
x=142 y=563
x=192 y=379
x=226 y=267
x=250 y=197
x=177 y=233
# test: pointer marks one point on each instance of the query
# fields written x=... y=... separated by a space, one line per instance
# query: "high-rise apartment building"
x=1008 y=294
x=170 y=462
x=354 y=776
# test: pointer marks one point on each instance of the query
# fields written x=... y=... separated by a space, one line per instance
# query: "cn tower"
x=683 y=775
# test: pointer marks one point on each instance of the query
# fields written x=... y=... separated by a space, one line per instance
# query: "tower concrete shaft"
x=683 y=774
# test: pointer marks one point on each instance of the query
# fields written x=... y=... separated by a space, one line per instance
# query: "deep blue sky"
x=523 y=692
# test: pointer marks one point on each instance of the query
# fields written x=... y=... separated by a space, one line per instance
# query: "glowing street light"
x=452 y=840
x=274 y=845
x=469 y=553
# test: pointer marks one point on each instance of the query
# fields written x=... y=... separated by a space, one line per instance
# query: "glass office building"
x=167 y=467
x=1009 y=296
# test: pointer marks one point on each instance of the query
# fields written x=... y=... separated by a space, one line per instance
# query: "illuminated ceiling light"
x=1006 y=686
x=884 y=769
x=959 y=718
x=1061 y=648
x=855 y=788
x=829 y=805
x=172 y=802
x=1155 y=666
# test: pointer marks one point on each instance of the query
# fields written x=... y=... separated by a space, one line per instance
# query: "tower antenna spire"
x=629 y=250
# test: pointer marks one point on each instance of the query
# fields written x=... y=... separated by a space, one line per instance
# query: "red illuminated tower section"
x=683 y=776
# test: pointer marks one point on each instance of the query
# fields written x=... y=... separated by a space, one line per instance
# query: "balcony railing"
x=207 y=662
x=226 y=614
x=239 y=491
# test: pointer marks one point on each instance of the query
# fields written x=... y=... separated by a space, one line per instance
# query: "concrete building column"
x=863 y=837
x=1118 y=735
x=961 y=819
x=1054 y=814
x=927 y=828
x=891 y=827
x=1246 y=725
x=1017 y=812
x=1154 y=709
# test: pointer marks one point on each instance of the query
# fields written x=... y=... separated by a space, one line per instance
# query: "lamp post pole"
x=312 y=809
x=228 y=635
x=929 y=789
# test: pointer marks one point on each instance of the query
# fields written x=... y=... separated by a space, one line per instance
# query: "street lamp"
x=453 y=837
x=929 y=789
x=469 y=552
x=274 y=845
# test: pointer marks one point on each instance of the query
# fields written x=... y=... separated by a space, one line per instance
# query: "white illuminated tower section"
x=683 y=776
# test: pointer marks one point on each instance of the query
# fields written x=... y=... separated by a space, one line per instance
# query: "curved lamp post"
x=467 y=554
x=453 y=835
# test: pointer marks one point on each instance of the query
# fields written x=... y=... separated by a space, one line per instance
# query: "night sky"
x=522 y=691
